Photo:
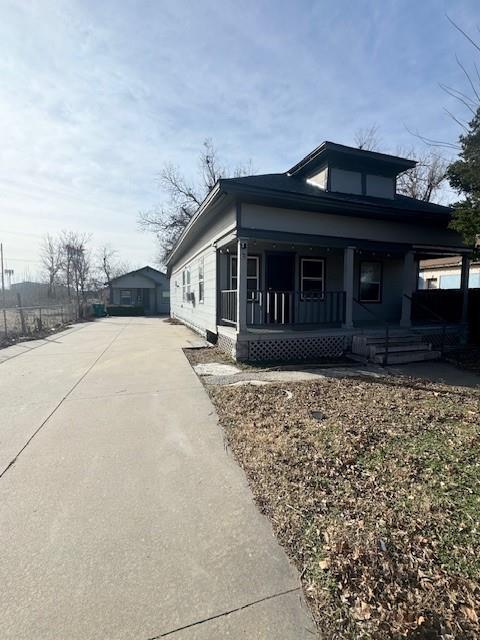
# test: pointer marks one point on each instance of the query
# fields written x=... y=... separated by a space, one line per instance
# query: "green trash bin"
x=99 y=310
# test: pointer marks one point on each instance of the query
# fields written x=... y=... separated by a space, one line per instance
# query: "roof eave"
x=208 y=201
x=332 y=203
x=327 y=147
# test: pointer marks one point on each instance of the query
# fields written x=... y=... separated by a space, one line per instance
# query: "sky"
x=97 y=95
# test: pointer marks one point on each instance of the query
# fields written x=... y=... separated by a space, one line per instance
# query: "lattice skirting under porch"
x=304 y=348
x=451 y=340
x=225 y=343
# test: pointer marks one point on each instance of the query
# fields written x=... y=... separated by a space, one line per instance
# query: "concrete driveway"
x=122 y=516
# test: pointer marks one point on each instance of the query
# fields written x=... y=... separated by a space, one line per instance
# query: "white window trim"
x=306 y=297
x=201 y=280
x=256 y=277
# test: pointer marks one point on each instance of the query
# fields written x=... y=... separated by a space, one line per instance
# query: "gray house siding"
x=307 y=222
x=201 y=315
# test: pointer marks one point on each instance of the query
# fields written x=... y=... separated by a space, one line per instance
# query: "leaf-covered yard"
x=377 y=498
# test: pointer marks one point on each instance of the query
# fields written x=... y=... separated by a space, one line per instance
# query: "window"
x=450 y=281
x=253 y=276
x=370 y=282
x=312 y=278
x=474 y=282
x=125 y=296
x=201 y=268
x=185 y=284
x=431 y=283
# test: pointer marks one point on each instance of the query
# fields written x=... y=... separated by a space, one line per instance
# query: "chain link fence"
x=17 y=322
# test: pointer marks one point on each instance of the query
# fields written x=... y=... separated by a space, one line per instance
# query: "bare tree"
x=108 y=266
x=426 y=179
x=107 y=263
x=76 y=263
x=468 y=97
x=368 y=138
x=51 y=258
x=184 y=197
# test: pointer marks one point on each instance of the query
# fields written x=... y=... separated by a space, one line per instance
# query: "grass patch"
x=378 y=503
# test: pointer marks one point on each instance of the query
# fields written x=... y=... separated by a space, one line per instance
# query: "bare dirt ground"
x=373 y=487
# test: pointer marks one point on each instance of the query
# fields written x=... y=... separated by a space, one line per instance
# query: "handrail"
x=422 y=306
x=375 y=315
x=442 y=320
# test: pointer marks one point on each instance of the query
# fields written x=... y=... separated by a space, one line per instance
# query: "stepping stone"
x=215 y=369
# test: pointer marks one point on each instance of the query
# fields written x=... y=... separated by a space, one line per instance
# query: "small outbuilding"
x=147 y=288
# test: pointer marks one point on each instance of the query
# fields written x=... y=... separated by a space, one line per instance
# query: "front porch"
x=303 y=301
x=261 y=344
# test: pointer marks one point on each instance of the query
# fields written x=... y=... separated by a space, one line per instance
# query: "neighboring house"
x=146 y=287
x=446 y=273
x=307 y=262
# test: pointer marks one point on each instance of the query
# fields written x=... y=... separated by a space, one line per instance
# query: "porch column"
x=348 y=265
x=242 y=254
x=409 y=286
x=464 y=278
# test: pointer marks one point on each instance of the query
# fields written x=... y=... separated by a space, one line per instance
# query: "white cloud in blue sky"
x=96 y=96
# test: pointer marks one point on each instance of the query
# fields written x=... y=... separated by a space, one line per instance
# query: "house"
x=146 y=287
x=312 y=262
x=445 y=273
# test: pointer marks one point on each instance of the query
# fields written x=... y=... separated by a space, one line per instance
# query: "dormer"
x=340 y=169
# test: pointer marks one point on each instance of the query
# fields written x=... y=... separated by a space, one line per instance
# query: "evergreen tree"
x=464 y=177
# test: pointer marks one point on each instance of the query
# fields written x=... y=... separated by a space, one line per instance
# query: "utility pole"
x=3 y=291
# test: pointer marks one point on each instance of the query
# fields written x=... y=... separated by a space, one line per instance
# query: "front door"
x=280 y=285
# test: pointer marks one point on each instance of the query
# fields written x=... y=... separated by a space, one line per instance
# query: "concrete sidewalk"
x=123 y=517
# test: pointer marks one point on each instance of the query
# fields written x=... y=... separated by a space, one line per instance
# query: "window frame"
x=201 y=280
x=304 y=297
x=186 y=283
x=129 y=291
x=256 y=277
x=380 y=282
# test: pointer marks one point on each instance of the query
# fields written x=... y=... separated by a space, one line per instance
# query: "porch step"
x=394 y=347
x=403 y=347
x=393 y=338
x=404 y=357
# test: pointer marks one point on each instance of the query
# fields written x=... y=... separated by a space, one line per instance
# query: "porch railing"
x=228 y=306
x=266 y=307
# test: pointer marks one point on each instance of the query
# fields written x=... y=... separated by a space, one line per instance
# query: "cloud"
x=95 y=97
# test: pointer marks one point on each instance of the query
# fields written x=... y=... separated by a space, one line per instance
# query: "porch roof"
x=333 y=242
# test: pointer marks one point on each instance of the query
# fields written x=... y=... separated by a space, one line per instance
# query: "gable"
x=133 y=281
